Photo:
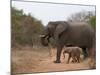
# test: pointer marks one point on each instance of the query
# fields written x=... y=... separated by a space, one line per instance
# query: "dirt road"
x=32 y=61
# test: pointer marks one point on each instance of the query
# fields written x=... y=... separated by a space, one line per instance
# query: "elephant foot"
x=57 y=61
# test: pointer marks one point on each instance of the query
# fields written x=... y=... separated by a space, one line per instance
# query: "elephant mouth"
x=44 y=40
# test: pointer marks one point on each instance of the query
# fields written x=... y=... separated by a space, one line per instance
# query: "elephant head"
x=53 y=29
x=44 y=40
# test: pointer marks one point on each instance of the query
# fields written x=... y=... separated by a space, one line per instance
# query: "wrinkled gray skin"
x=77 y=34
x=74 y=53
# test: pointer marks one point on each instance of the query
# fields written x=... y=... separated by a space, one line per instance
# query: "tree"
x=81 y=16
x=25 y=29
x=84 y=16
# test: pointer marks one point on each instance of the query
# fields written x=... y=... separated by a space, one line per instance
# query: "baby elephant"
x=73 y=52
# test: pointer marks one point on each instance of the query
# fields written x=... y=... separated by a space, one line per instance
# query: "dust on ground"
x=30 y=60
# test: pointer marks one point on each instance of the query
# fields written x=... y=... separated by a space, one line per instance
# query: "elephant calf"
x=74 y=53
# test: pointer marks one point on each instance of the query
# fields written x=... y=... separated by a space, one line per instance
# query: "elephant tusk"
x=41 y=35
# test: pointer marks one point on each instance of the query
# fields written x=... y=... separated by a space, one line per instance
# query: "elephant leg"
x=59 y=49
x=85 y=52
x=69 y=58
x=92 y=55
x=73 y=59
x=63 y=55
x=78 y=59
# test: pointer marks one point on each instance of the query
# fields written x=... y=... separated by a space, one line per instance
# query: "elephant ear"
x=62 y=26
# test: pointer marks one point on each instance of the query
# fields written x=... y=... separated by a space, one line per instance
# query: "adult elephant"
x=78 y=34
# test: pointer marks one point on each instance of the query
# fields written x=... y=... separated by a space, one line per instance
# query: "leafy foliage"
x=25 y=28
x=92 y=21
x=84 y=16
